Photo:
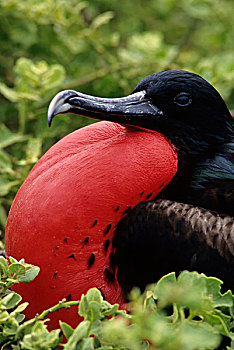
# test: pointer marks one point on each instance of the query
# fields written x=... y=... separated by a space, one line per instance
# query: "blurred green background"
x=99 y=47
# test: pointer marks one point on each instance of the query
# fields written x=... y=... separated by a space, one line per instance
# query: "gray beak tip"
x=59 y=104
x=53 y=108
x=50 y=118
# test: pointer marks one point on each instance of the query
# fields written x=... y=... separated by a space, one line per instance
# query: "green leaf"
x=213 y=288
x=20 y=317
x=4 y=316
x=11 y=300
x=17 y=269
x=94 y=294
x=198 y=336
x=30 y=274
x=83 y=306
x=80 y=332
x=4 y=270
x=189 y=290
x=20 y=308
x=67 y=330
x=164 y=282
x=90 y=305
x=13 y=260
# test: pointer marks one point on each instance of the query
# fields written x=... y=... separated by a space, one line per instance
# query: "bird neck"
x=207 y=182
x=219 y=167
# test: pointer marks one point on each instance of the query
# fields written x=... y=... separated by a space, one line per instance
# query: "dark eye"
x=183 y=99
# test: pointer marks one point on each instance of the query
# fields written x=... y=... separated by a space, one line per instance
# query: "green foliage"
x=184 y=313
x=17 y=271
x=102 y=48
x=16 y=333
x=187 y=313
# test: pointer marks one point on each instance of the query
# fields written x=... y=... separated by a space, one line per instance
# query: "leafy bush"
x=102 y=48
x=185 y=313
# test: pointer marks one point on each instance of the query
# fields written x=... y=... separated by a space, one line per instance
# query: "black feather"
x=161 y=236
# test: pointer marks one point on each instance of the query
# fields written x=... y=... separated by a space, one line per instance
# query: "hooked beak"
x=126 y=110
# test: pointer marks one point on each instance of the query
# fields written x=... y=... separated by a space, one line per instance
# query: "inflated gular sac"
x=64 y=216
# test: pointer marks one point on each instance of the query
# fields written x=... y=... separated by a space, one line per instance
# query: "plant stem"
x=60 y=305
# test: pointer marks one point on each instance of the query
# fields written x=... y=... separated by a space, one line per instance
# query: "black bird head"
x=179 y=104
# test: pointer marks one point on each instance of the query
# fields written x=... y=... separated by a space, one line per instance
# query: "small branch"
x=59 y=306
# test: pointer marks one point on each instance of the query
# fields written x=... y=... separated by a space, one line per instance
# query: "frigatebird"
x=190 y=223
x=122 y=202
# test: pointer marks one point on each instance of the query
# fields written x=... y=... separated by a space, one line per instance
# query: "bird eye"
x=183 y=99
